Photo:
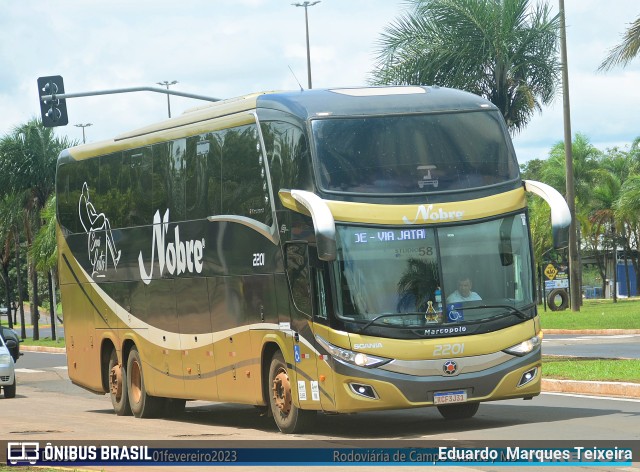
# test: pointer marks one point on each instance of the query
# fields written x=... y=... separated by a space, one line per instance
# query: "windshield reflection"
x=434 y=276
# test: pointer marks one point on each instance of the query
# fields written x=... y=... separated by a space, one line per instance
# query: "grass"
x=595 y=314
x=48 y=342
x=601 y=370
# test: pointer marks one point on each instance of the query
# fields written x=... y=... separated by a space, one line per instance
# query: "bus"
x=300 y=252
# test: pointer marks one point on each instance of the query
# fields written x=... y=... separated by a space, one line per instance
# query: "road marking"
x=63 y=367
x=29 y=371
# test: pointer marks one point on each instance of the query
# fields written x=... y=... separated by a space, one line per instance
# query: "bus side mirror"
x=560 y=215
x=504 y=247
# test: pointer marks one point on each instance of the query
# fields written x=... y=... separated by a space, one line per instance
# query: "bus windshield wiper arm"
x=513 y=310
x=387 y=315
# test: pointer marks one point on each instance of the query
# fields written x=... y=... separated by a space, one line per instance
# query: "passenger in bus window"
x=464 y=292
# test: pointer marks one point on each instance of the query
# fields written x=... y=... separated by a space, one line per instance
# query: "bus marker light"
x=322 y=378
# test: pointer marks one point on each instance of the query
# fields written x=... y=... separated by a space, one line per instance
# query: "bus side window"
x=196 y=172
x=297 y=267
x=245 y=190
x=136 y=179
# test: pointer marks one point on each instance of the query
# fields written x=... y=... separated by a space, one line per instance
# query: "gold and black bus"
x=339 y=250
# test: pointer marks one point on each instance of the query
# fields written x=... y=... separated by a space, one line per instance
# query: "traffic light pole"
x=62 y=96
x=53 y=105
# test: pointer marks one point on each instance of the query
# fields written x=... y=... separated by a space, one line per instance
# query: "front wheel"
x=10 y=390
x=142 y=404
x=288 y=417
x=458 y=411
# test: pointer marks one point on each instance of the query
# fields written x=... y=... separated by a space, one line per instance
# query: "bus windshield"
x=412 y=153
x=424 y=276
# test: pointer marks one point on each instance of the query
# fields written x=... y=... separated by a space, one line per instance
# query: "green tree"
x=627 y=50
x=28 y=158
x=503 y=50
x=44 y=252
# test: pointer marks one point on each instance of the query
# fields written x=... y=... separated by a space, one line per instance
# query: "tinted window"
x=413 y=153
x=287 y=152
x=245 y=190
x=135 y=180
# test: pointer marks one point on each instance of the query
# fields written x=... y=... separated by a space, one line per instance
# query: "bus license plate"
x=441 y=398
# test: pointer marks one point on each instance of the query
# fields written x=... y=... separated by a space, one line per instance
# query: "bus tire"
x=458 y=411
x=564 y=299
x=289 y=418
x=10 y=390
x=118 y=386
x=142 y=404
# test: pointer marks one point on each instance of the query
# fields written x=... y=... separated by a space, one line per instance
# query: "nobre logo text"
x=178 y=256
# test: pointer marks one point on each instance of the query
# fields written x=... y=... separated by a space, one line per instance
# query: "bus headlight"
x=350 y=357
x=525 y=347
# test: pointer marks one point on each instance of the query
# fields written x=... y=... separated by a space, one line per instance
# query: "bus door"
x=305 y=275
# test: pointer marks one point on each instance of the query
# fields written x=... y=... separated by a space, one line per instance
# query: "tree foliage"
x=503 y=50
x=626 y=50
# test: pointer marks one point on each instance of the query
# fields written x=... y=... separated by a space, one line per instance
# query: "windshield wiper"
x=512 y=310
x=387 y=315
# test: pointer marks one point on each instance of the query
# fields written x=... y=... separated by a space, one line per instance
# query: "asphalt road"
x=49 y=408
x=624 y=346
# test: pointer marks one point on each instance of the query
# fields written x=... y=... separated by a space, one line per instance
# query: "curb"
x=609 y=389
x=607 y=332
x=57 y=350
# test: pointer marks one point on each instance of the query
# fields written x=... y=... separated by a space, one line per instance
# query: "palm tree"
x=11 y=218
x=503 y=50
x=44 y=252
x=28 y=158
x=626 y=50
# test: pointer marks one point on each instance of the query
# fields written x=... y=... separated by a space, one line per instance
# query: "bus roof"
x=308 y=104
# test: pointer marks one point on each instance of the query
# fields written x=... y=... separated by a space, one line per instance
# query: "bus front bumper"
x=366 y=389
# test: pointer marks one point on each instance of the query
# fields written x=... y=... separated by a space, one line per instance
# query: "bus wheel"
x=142 y=404
x=118 y=386
x=288 y=417
x=459 y=411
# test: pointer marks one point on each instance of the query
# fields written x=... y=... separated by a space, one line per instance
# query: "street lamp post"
x=83 y=126
x=166 y=83
x=306 y=22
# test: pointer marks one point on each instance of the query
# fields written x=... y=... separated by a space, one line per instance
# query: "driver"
x=464 y=292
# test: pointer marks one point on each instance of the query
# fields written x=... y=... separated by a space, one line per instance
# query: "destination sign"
x=410 y=234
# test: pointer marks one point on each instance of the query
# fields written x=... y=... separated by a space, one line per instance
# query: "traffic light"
x=53 y=111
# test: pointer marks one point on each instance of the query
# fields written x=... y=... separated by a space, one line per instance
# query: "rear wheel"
x=118 y=386
x=459 y=411
x=288 y=417
x=142 y=404
x=10 y=390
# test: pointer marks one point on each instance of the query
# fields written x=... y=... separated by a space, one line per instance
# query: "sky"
x=228 y=48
